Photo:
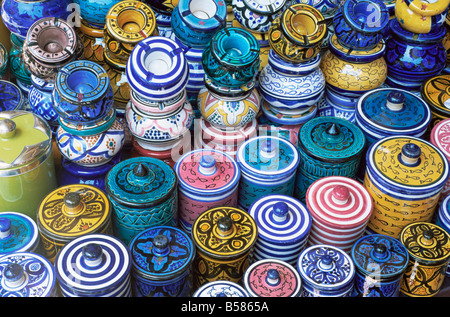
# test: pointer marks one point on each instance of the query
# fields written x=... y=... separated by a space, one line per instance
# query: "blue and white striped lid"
x=18 y=233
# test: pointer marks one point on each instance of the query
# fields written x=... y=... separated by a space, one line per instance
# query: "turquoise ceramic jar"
x=18 y=233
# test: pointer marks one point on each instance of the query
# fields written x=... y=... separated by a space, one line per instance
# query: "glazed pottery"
x=221 y=288
x=161 y=263
x=41 y=101
x=4 y=63
x=327 y=108
x=268 y=125
x=11 y=97
x=442 y=220
x=94 y=265
x=326 y=7
x=163 y=20
x=435 y=93
x=419 y=16
x=165 y=156
x=118 y=79
x=257 y=16
x=17 y=67
x=92 y=38
x=18 y=233
x=27 y=169
x=94 y=12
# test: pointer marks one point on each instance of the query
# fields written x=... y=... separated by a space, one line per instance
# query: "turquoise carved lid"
x=331 y=139
x=18 y=233
x=141 y=182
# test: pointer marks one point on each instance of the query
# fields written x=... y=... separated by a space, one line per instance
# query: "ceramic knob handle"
x=140 y=170
x=225 y=225
x=395 y=101
x=273 y=277
x=92 y=254
x=326 y=262
x=160 y=245
x=5 y=226
x=267 y=149
x=72 y=202
x=207 y=165
x=7 y=128
x=14 y=274
x=340 y=194
x=280 y=211
x=380 y=251
x=428 y=238
x=221 y=294
x=333 y=133
x=410 y=154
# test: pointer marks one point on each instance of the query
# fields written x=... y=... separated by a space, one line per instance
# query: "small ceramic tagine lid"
x=439 y=136
x=390 y=111
x=18 y=233
x=220 y=289
x=11 y=97
x=26 y=274
x=224 y=232
x=161 y=253
x=281 y=219
x=426 y=242
x=73 y=210
x=331 y=139
x=207 y=172
x=141 y=182
x=436 y=93
x=93 y=263
x=380 y=256
x=272 y=278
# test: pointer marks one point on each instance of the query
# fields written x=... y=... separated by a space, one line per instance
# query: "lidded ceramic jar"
x=18 y=233
x=143 y=193
x=27 y=170
x=405 y=177
x=17 y=67
x=161 y=262
x=428 y=246
x=268 y=166
x=92 y=38
x=69 y=212
x=327 y=7
x=165 y=156
x=220 y=288
x=27 y=274
x=326 y=271
x=272 y=278
x=438 y=137
x=206 y=179
x=442 y=219
x=435 y=93
x=223 y=237
x=283 y=224
x=11 y=96
x=380 y=263
x=93 y=12
x=94 y=265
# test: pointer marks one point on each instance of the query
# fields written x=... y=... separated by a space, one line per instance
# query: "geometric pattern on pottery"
x=427 y=280
x=328 y=109
x=41 y=103
x=249 y=15
x=375 y=289
x=181 y=287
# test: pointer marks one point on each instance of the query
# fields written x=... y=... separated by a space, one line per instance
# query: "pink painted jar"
x=440 y=137
x=207 y=178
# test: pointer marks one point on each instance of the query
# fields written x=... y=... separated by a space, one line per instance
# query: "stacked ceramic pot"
x=439 y=138
x=354 y=62
x=442 y=219
x=90 y=136
x=163 y=13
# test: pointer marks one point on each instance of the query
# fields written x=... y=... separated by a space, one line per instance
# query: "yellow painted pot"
x=92 y=38
x=418 y=16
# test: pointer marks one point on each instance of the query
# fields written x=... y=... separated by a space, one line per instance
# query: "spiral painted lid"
x=272 y=278
x=26 y=274
x=11 y=97
x=340 y=202
x=440 y=137
x=220 y=289
x=18 y=233
x=141 y=182
x=436 y=93
x=281 y=219
x=224 y=232
x=379 y=256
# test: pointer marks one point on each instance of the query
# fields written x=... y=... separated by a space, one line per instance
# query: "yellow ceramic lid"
x=224 y=232
x=73 y=210
x=436 y=93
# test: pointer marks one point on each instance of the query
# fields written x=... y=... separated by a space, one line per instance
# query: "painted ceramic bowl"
x=361 y=56
x=421 y=16
x=289 y=117
x=159 y=108
x=116 y=70
x=439 y=137
x=436 y=94
x=257 y=16
x=18 y=233
x=94 y=12
x=327 y=108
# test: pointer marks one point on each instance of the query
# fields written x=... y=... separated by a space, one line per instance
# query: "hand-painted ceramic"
x=272 y=278
x=18 y=233
x=326 y=271
x=166 y=156
x=69 y=212
x=11 y=97
x=27 y=170
x=94 y=265
x=27 y=274
x=221 y=288
x=360 y=56
x=421 y=16
x=163 y=20
x=94 y=12
x=292 y=119
x=223 y=237
x=143 y=193
x=116 y=70
x=326 y=7
x=436 y=94
x=405 y=177
x=17 y=67
x=267 y=126
x=283 y=224
x=92 y=38
x=268 y=166
x=161 y=258
x=428 y=246
x=159 y=108
x=4 y=63
x=380 y=263
x=328 y=108
x=257 y=16
x=442 y=220
x=41 y=101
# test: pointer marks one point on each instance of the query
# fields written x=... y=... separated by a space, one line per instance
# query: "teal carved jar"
x=17 y=67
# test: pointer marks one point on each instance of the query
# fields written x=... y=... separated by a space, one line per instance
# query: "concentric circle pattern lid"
x=208 y=172
x=325 y=267
x=379 y=256
x=436 y=92
x=26 y=274
x=141 y=181
x=267 y=156
x=272 y=278
x=161 y=253
x=18 y=233
x=426 y=242
x=93 y=263
x=281 y=219
x=220 y=289
x=224 y=232
x=440 y=136
x=74 y=210
x=11 y=97
x=339 y=201
x=331 y=139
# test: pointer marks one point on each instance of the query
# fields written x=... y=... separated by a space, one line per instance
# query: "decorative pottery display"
x=438 y=137
x=165 y=156
x=17 y=67
x=442 y=220
x=223 y=237
x=41 y=101
x=287 y=131
x=161 y=263
x=220 y=288
x=326 y=7
x=380 y=263
x=18 y=233
x=94 y=265
x=27 y=169
x=428 y=246
x=4 y=63
x=405 y=177
x=434 y=92
x=94 y=12
x=92 y=38
x=27 y=274
x=11 y=97
x=272 y=278
x=326 y=271
x=143 y=193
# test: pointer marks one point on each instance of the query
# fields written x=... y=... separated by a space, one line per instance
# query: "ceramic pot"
x=17 y=67
x=421 y=17
x=163 y=20
x=293 y=118
x=220 y=288
x=268 y=126
x=439 y=138
x=4 y=63
x=442 y=220
x=92 y=38
x=41 y=101
x=118 y=79
x=256 y=16
x=327 y=108
x=94 y=12
x=435 y=93
x=165 y=156
x=326 y=7
x=18 y=233
x=11 y=96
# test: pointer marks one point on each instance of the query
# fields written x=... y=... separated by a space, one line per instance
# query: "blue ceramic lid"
x=141 y=182
x=11 y=97
x=220 y=289
x=161 y=253
x=398 y=32
x=379 y=256
x=26 y=274
x=376 y=11
x=267 y=157
x=203 y=16
x=391 y=111
x=444 y=213
x=18 y=233
x=281 y=219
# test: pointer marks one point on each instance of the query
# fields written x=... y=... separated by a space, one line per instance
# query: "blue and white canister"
x=221 y=288
x=41 y=101
x=18 y=233
x=442 y=219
